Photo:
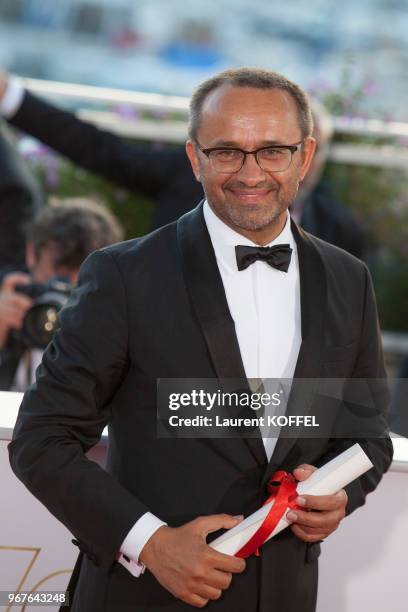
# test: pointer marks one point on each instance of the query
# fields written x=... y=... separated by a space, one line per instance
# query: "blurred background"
x=350 y=55
x=171 y=46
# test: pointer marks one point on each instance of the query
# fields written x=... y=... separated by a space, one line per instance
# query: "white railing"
x=386 y=156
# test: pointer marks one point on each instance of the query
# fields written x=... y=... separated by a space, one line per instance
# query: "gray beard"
x=251 y=222
x=235 y=218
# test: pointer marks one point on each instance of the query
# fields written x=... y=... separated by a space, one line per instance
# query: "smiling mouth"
x=250 y=196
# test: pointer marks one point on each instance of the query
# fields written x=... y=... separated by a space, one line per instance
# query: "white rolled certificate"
x=327 y=480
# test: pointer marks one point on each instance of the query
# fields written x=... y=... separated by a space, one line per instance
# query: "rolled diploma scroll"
x=326 y=480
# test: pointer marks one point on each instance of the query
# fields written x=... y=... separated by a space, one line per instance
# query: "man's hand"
x=4 y=77
x=13 y=306
x=322 y=514
x=185 y=565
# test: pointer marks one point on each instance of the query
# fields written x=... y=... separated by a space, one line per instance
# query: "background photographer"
x=58 y=240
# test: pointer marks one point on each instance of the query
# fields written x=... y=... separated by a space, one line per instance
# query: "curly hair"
x=74 y=228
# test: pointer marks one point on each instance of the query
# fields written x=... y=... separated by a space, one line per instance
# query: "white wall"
x=364 y=564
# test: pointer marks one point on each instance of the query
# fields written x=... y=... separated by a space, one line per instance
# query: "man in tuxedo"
x=233 y=289
x=165 y=175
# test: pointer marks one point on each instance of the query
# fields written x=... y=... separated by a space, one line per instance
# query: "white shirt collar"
x=224 y=239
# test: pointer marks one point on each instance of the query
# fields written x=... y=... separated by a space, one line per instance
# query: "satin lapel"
x=206 y=290
x=313 y=302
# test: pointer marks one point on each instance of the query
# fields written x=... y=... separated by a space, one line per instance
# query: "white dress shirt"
x=25 y=373
x=264 y=303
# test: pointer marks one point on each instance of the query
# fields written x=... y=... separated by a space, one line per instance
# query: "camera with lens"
x=41 y=320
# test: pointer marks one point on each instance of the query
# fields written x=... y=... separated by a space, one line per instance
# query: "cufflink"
x=134 y=567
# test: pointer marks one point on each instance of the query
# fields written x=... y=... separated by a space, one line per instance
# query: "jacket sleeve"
x=132 y=166
x=369 y=366
x=20 y=199
x=64 y=413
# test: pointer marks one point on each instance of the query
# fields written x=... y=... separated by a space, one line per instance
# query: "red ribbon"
x=282 y=489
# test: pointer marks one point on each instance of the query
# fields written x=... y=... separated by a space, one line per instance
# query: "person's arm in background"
x=20 y=198
x=132 y=166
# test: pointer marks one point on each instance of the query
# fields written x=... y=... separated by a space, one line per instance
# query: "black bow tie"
x=277 y=256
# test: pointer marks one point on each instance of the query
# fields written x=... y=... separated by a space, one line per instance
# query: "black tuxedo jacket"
x=155 y=307
x=20 y=199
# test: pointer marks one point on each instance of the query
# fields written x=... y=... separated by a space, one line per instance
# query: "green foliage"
x=378 y=200
x=133 y=210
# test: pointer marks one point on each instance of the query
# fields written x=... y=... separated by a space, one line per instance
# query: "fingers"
x=186 y=565
x=213 y=522
x=13 y=305
x=207 y=587
x=322 y=516
x=306 y=466
x=13 y=279
x=201 y=592
x=303 y=471
x=309 y=536
x=199 y=600
x=227 y=563
x=13 y=308
x=195 y=600
x=219 y=580
x=19 y=301
x=207 y=591
x=324 y=502
x=212 y=585
x=323 y=520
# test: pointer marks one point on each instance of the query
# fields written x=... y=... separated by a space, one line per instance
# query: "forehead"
x=230 y=113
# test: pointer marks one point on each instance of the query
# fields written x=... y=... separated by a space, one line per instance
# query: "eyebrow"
x=235 y=145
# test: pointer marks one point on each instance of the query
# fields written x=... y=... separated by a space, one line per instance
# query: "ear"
x=30 y=256
x=308 y=151
x=192 y=156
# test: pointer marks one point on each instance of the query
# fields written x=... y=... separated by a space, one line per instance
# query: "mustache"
x=261 y=186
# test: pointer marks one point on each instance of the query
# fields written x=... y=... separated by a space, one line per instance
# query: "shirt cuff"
x=13 y=97
x=135 y=540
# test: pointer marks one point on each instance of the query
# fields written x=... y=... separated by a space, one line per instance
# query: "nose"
x=251 y=173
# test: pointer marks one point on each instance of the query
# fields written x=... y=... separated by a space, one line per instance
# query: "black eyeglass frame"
x=292 y=148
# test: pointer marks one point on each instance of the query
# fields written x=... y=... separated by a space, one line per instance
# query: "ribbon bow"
x=282 y=489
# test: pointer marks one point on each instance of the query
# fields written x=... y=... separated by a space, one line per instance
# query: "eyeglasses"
x=270 y=159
